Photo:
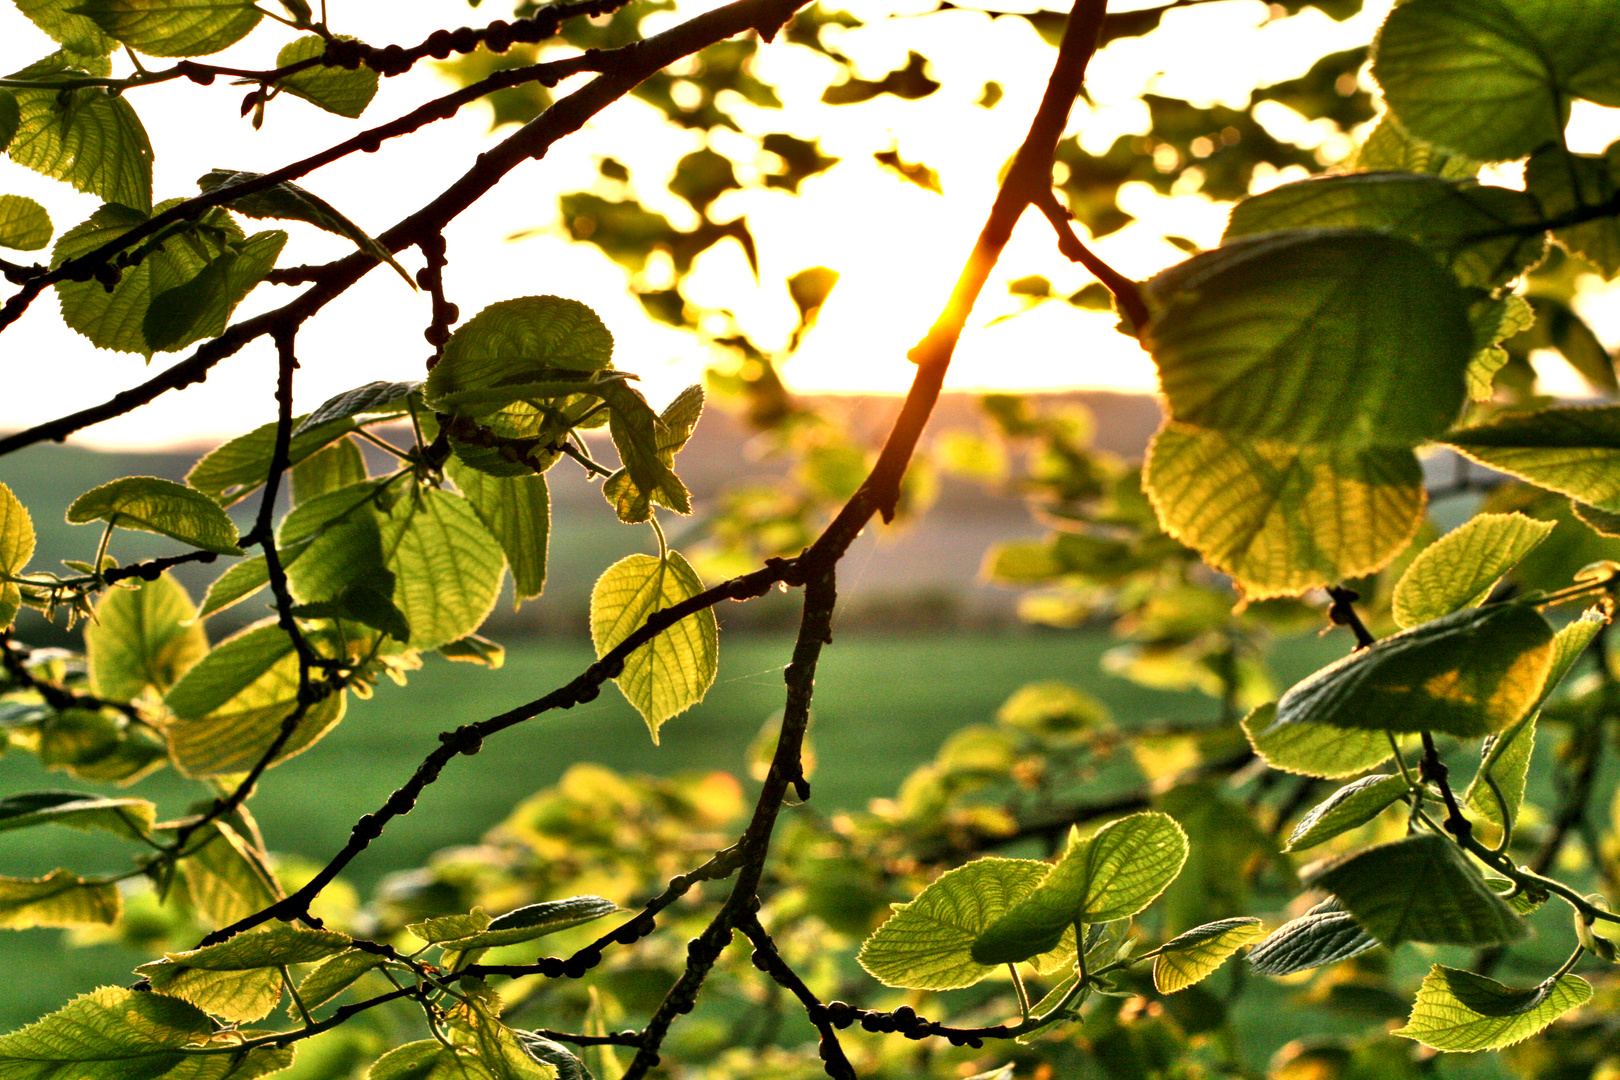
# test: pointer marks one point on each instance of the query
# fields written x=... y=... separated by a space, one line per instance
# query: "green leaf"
x=517 y=512
x=1448 y=219
x=516 y=340
x=1314 y=749
x=239 y=980
x=225 y=879
x=108 y=1034
x=1575 y=452
x=333 y=550
x=235 y=585
x=87 y=137
x=673 y=671
x=1389 y=149
x=1459 y=1011
x=361 y=603
x=1467 y=674
x=536 y=920
x=129 y=818
x=1193 y=956
x=1493 y=79
x=159 y=506
x=670 y=432
x=1325 y=934
x=229 y=708
x=174 y=27
x=1345 y=337
x=1565 y=182
x=336 y=974
x=371 y=399
x=1507 y=757
x=1554 y=324
x=335 y=89
x=428 y=1060
x=234 y=470
x=1459 y=570
x=24 y=224
x=287 y=201
x=202 y=307
x=1112 y=874
x=1283 y=519
x=1494 y=321
x=16 y=548
x=447 y=567
x=57 y=899
x=142 y=637
x=1422 y=888
x=927 y=944
x=474 y=649
x=328 y=469
x=119 y=319
x=10 y=118
x=76 y=32
x=442 y=928
x=1350 y=807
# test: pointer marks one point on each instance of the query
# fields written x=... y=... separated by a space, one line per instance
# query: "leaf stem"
x=1021 y=990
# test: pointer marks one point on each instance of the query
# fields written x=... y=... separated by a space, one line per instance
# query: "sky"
x=897 y=246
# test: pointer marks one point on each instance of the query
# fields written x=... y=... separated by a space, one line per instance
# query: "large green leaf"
x=1460 y=569
x=1325 y=934
x=235 y=469
x=87 y=137
x=447 y=567
x=129 y=818
x=1112 y=874
x=24 y=224
x=1575 y=452
x=160 y=506
x=1192 y=957
x=1422 y=888
x=142 y=637
x=1493 y=79
x=332 y=467
x=1283 y=519
x=16 y=548
x=1565 y=182
x=673 y=671
x=1459 y=1011
x=118 y=319
x=333 y=541
x=927 y=944
x=59 y=898
x=1467 y=674
x=1346 y=337
x=201 y=308
x=229 y=708
x=174 y=27
x=78 y=33
x=335 y=89
x=428 y=1059
x=1314 y=749
x=1350 y=807
x=520 y=340
x=517 y=512
x=1450 y=220
x=239 y=980
x=108 y=1034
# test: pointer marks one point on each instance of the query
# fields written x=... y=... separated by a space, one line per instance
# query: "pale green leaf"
x=159 y=506
x=328 y=469
x=1459 y=1011
x=108 y=1034
x=447 y=567
x=16 y=533
x=24 y=224
x=174 y=27
x=1314 y=749
x=239 y=980
x=1195 y=955
x=335 y=89
x=428 y=1060
x=59 y=898
x=1283 y=519
x=1566 y=182
x=1450 y=220
x=78 y=33
x=87 y=137
x=1422 y=888
x=129 y=818
x=1325 y=934
x=1112 y=874
x=673 y=671
x=202 y=307
x=224 y=877
x=236 y=584
x=336 y=974
x=1494 y=320
x=517 y=512
x=1345 y=337
x=528 y=923
x=1493 y=79
x=1575 y=452
x=235 y=469
x=142 y=637
x=443 y=928
x=334 y=542
x=1389 y=149
x=926 y=944
x=1507 y=761
x=1350 y=807
x=1467 y=674
x=1460 y=569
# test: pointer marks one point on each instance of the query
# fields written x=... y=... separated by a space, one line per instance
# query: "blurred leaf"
x=16 y=548
x=910 y=82
x=129 y=818
x=1565 y=182
x=57 y=899
x=911 y=171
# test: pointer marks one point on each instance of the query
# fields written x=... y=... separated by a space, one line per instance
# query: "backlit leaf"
x=87 y=137
x=236 y=584
x=517 y=340
x=129 y=818
x=24 y=224
x=16 y=548
x=1460 y=569
x=1575 y=452
x=336 y=974
x=533 y=921
x=142 y=637
x=108 y=1034
x=328 y=469
x=174 y=27
x=1325 y=934
x=447 y=567
x=78 y=32
x=1283 y=519
x=1467 y=674
x=335 y=89
x=160 y=506
x=671 y=672
x=1314 y=749
x=1389 y=149
x=1460 y=1011
x=373 y=399
x=1346 y=337
x=1422 y=888
x=1565 y=182
x=57 y=899
x=517 y=512
x=927 y=944
x=1351 y=806
x=671 y=430
x=1195 y=955
x=428 y=1060
x=238 y=980
x=201 y=308
x=235 y=469
x=225 y=878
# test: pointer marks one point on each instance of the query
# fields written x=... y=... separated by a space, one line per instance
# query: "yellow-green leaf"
x=1314 y=749
x=108 y=1034
x=1325 y=934
x=142 y=637
x=1460 y=569
x=1350 y=807
x=1575 y=452
x=16 y=548
x=235 y=469
x=240 y=980
x=129 y=818
x=24 y=224
x=160 y=506
x=174 y=27
x=428 y=1060
x=1460 y=1012
x=517 y=512
x=1194 y=956
x=447 y=567
x=88 y=137
x=59 y=898
x=335 y=89
x=336 y=974
x=224 y=876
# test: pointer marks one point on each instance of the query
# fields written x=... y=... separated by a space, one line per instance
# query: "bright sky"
x=897 y=246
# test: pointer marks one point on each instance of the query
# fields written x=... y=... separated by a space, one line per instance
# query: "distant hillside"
x=929 y=567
